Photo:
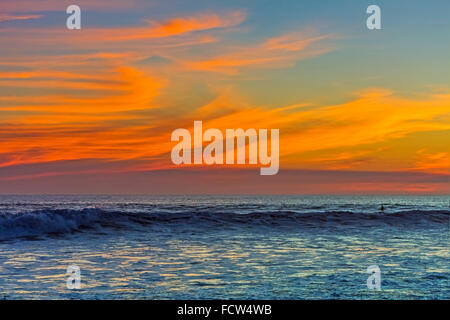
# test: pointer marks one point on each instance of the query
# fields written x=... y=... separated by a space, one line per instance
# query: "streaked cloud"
x=438 y=162
x=13 y=17
x=169 y=28
x=281 y=51
x=103 y=101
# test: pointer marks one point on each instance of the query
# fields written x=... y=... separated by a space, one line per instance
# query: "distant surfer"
x=382 y=208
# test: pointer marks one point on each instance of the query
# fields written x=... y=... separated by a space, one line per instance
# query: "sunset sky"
x=92 y=110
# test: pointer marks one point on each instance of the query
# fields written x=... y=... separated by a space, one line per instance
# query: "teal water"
x=145 y=247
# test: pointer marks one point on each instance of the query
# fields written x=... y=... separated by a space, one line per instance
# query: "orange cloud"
x=129 y=89
x=105 y=37
x=100 y=125
x=438 y=162
x=375 y=116
x=105 y=105
x=279 y=51
x=201 y=22
x=12 y=17
x=172 y=27
x=293 y=41
x=44 y=141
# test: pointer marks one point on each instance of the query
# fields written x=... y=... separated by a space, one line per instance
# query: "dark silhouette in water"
x=382 y=208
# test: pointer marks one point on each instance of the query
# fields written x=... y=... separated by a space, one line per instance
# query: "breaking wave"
x=67 y=221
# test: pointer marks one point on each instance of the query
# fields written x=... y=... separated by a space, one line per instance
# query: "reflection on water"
x=197 y=258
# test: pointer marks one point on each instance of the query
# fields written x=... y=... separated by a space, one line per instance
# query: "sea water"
x=224 y=247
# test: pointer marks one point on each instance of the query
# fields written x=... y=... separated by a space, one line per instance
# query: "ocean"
x=224 y=247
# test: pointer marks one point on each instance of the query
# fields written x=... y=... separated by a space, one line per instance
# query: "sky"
x=91 y=111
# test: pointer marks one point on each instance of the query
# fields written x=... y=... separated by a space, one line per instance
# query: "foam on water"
x=67 y=221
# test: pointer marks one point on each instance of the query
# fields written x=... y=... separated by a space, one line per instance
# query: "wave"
x=69 y=221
